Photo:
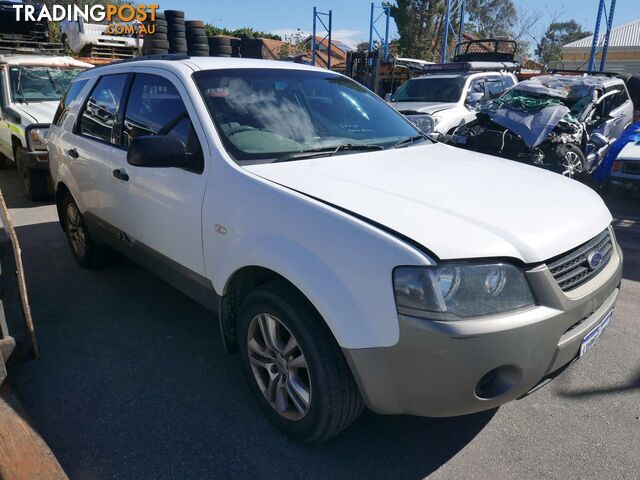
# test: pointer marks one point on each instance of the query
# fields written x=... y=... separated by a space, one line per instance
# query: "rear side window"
x=619 y=98
x=72 y=92
x=100 y=111
x=155 y=107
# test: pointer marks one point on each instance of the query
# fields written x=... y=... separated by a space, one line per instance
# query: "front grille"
x=632 y=167
x=572 y=269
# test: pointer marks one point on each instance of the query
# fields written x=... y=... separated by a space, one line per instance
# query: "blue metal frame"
x=596 y=35
x=386 y=12
x=451 y=7
x=318 y=17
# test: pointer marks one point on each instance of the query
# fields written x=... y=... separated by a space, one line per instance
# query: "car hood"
x=458 y=204
x=37 y=112
x=422 y=107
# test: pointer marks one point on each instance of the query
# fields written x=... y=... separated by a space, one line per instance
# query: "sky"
x=351 y=17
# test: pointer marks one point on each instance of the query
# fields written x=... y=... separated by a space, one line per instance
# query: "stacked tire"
x=197 y=42
x=223 y=46
x=251 y=48
x=176 y=31
x=157 y=43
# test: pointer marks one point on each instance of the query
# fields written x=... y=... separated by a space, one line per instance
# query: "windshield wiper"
x=409 y=140
x=326 y=151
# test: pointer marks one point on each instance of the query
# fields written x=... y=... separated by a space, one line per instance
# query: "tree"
x=491 y=18
x=558 y=34
x=421 y=26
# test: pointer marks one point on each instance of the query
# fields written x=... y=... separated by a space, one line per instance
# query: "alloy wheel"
x=279 y=366
x=76 y=230
x=571 y=164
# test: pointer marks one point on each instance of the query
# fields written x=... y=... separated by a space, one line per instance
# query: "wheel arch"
x=61 y=191
x=16 y=143
x=239 y=285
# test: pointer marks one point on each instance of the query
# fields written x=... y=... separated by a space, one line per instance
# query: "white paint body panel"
x=455 y=203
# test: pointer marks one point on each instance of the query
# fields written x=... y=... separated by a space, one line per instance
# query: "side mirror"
x=387 y=97
x=157 y=151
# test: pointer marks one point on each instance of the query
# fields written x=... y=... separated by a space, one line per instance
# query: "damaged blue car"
x=565 y=123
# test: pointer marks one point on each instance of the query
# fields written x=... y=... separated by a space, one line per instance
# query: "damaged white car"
x=564 y=123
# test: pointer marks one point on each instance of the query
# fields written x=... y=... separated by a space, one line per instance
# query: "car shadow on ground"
x=134 y=382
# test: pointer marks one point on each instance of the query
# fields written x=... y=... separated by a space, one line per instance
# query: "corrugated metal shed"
x=624 y=36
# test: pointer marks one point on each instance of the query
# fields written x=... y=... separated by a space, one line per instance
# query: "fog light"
x=498 y=382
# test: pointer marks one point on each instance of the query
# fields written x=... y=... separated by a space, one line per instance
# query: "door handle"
x=73 y=153
x=120 y=174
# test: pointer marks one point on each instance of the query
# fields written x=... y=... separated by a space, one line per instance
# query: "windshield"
x=39 y=84
x=431 y=89
x=531 y=102
x=266 y=113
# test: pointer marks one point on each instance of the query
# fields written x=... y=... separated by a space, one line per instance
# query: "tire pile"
x=252 y=48
x=176 y=31
x=197 y=42
x=223 y=46
x=174 y=34
x=157 y=43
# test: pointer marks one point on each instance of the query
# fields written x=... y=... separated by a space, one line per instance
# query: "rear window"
x=72 y=92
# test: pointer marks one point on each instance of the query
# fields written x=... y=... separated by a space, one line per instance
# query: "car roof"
x=187 y=65
x=42 y=60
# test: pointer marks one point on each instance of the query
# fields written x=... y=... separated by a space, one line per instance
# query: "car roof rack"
x=486 y=50
x=469 y=67
x=562 y=71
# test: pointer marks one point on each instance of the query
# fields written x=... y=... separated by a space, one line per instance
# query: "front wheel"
x=570 y=161
x=295 y=368
x=34 y=182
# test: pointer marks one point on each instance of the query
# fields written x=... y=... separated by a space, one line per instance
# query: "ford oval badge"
x=595 y=259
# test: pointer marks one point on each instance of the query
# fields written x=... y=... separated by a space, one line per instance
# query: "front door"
x=159 y=209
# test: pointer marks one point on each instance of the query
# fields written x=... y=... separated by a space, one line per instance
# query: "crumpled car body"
x=565 y=123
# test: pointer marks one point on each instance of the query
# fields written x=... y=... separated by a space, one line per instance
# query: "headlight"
x=37 y=138
x=456 y=291
x=424 y=123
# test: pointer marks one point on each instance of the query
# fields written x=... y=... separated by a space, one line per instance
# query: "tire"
x=173 y=14
x=93 y=255
x=156 y=51
x=158 y=44
x=219 y=41
x=198 y=53
x=161 y=30
x=221 y=49
x=197 y=38
x=177 y=44
x=321 y=375
x=5 y=162
x=35 y=183
x=569 y=161
x=177 y=36
x=250 y=53
x=194 y=24
x=251 y=43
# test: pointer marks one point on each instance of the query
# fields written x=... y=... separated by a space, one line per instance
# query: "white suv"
x=450 y=95
x=348 y=259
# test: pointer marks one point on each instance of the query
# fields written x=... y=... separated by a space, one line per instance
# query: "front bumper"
x=435 y=368
x=625 y=182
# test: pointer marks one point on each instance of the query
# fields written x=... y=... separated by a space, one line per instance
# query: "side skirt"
x=187 y=281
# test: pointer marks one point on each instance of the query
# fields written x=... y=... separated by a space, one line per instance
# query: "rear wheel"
x=84 y=249
x=295 y=368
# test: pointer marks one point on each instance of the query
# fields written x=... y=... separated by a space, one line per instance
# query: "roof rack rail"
x=561 y=71
x=160 y=56
x=470 y=67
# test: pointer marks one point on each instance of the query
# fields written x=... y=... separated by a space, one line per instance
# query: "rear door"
x=159 y=209
x=615 y=112
x=88 y=144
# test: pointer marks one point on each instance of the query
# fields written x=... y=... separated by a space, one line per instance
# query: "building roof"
x=624 y=36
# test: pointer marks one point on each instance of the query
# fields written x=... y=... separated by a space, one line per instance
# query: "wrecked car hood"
x=456 y=203
x=533 y=128
x=422 y=107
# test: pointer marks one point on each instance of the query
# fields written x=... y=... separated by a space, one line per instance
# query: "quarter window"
x=155 y=107
x=100 y=111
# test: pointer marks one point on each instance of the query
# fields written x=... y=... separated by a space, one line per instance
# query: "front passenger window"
x=156 y=108
x=99 y=114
